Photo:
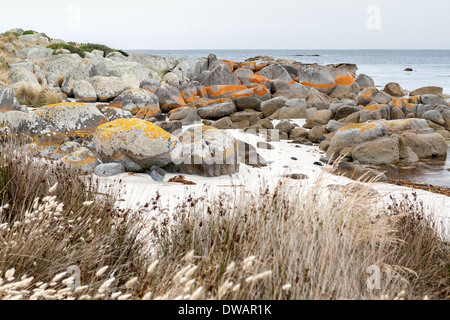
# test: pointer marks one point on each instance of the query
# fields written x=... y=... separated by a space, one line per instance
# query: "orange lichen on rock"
x=261 y=91
x=242 y=94
x=368 y=92
x=219 y=91
x=409 y=106
x=414 y=99
x=148 y=112
x=252 y=65
x=359 y=126
x=229 y=64
x=396 y=103
x=404 y=101
x=318 y=86
x=258 y=79
x=116 y=104
x=344 y=79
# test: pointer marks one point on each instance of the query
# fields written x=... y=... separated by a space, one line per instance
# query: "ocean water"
x=431 y=68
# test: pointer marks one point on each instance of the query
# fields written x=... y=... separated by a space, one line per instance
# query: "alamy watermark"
x=374 y=19
x=74 y=17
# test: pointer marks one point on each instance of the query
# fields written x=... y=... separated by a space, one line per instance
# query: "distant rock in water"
x=307 y=55
x=408 y=69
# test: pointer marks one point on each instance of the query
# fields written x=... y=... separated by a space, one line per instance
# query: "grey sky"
x=238 y=24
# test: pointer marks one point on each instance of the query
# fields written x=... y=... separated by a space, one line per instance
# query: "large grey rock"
x=136 y=144
x=379 y=151
x=82 y=159
x=275 y=71
x=22 y=75
x=136 y=99
x=348 y=137
x=365 y=81
x=318 y=77
x=219 y=76
x=207 y=151
x=83 y=91
x=320 y=117
x=116 y=113
x=59 y=66
x=130 y=73
x=432 y=100
x=107 y=88
x=34 y=54
x=36 y=38
x=159 y=64
x=424 y=145
x=370 y=94
x=79 y=72
x=269 y=107
x=435 y=116
x=293 y=109
x=216 y=111
x=426 y=90
x=187 y=115
x=6 y=99
x=109 y=169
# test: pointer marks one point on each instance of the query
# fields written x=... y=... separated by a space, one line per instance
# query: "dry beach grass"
x=290 y=243
x=36 y=96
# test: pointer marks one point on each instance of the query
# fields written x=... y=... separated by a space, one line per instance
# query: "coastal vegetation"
x=37 y=96
x=81 y=49
x=287 y=243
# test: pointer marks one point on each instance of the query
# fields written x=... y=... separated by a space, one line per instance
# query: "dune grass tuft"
x=37 y=96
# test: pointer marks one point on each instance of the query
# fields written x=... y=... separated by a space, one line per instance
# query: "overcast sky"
x=238 y=24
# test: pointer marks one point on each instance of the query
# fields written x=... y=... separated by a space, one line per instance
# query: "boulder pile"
x=130 y=111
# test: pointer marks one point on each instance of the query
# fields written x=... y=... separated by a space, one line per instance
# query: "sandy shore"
x=136 y=189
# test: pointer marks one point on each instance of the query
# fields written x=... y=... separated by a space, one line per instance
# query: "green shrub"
x=83 y=48
x=89 y=47
x=29 y=32
x=67 y=46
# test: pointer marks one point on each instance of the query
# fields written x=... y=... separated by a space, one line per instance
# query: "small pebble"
x=317 y=163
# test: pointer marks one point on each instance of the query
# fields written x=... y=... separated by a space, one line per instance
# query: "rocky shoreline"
x=143 y=113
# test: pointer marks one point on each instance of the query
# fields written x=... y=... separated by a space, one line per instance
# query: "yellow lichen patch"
x=396 y=103
x=414 y=99
x=359 y=126
x=368 y=92
x=373 y=107
x=53 y=139
x=65 y=105
x=404 y=101
x=81 y=134
x=409 y=106
x=220 y=90
x=81 y=157
x=151 y=131
x=397 y=123
x=344 y=80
